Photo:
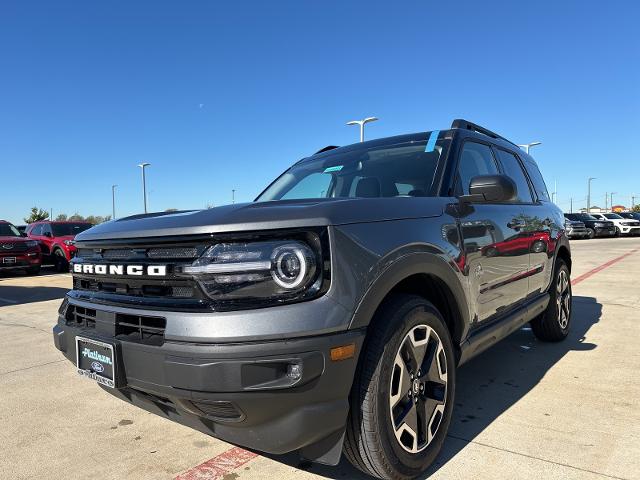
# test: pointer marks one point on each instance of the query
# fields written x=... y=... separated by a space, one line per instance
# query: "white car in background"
x=624 y=226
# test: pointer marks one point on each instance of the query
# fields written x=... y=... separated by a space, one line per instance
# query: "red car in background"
x=56 y=240
x=17 y=252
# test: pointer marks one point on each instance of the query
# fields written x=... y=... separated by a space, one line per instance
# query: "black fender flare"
x=404 y=267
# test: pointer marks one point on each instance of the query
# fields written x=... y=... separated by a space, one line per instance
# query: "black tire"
x=33 y=270
x=591 y=232
x=60 y=261
x=617 y=234
x=554 y=324
x=371 y=442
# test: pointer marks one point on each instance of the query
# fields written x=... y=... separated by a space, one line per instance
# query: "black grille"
x=14 y=247
x=118 y=253
x=218 y=409
x=142 y=329
x=80 y=316
x=137 y=290
x=173 y=252
x=156 y=253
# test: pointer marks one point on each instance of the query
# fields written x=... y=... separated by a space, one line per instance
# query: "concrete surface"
x=525 y=409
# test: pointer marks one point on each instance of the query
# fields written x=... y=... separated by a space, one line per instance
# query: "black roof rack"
x=328 y=147
x=467 y=125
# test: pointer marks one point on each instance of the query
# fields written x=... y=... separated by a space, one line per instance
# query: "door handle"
x=516 y=224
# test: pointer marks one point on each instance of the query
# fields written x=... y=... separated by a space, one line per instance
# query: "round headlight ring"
x=281 y=259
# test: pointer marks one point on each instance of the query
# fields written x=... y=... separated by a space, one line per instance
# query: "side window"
x=537 y=180
x=513 y=169
x=315 y=185
x=46 y=228
x=475 y=159
x=36 y=230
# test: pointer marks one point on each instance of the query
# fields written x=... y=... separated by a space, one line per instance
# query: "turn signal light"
x=343 y=353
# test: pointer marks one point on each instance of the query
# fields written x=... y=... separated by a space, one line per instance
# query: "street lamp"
x=233 y=195
x=144 y=185
x=527 y=146
x=113 y=202
x=362 y=124
x=611 y=203
x=589 y=194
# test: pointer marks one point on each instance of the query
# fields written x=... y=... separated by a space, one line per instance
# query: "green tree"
x=36 y=215
x=76 y=217
x=636 y=208
x=61 y=218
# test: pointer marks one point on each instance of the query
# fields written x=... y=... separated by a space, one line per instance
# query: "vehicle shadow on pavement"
x=490 y=384
x=18 y=295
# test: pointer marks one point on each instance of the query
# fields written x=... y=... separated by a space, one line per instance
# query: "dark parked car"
x=630 y=215
x=594 y=226
x=332 y=313
x=17 y=252
x=575 y=229
x=56 y=240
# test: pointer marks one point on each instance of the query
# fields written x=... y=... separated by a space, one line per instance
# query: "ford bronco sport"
x=331 y=314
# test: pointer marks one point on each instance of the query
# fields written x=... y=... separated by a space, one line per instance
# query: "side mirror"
x=490 y=189
x=23 y=234
x=47 y=234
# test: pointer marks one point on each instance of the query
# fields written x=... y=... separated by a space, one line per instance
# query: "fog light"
x=294 y=371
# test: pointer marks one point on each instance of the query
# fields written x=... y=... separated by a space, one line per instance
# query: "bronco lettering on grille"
x=133 y=270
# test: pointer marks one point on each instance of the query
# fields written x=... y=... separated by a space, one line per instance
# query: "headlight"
x=262 y=273
x=31 y=243
x=69 y=243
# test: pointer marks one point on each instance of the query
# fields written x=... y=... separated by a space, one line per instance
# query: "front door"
x=495 y=241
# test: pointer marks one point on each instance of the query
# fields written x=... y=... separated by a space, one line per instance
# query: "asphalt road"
x=525 y=409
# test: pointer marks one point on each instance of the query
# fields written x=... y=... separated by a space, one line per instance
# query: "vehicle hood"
x=267 y=216
x=9 y=239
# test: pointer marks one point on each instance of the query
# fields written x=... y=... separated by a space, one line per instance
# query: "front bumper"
x=577 y=233
x=20 y=260
x=239 y=392
x=625 y=230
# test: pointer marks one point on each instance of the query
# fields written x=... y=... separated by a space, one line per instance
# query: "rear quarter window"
x=537 y=180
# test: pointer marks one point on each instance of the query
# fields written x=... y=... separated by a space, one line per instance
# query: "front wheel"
x=553 y=324
x=403 y=393
x=617 y=234
x=61 y=263
x=591 y=233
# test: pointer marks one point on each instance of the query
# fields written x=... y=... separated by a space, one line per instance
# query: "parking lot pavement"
x=525 y=409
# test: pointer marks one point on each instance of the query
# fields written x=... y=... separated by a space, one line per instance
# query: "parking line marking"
x=218 y=467
x=599 y=268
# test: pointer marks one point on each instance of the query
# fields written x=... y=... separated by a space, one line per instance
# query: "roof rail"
x=467 y=125
x=328 y=147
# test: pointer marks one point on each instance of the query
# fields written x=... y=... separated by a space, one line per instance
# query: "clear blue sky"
x=226 y=95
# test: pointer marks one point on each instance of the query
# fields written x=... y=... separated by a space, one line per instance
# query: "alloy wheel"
x=418 y=391
x=563 y=299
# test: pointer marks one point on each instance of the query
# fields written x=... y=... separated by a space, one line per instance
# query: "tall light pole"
x=233 y=195
x=362 y=123
x=144 y=184
x=611 y=203
x=527 y=146
x=113 y=202
x=589 y=193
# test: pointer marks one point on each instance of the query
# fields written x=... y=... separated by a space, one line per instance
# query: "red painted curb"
x=584 y=276
x=219 y=466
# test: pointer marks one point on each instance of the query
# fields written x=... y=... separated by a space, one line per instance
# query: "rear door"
x=494 y=240
x=537 y=220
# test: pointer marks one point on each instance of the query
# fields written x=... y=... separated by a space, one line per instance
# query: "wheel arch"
x=428 y=276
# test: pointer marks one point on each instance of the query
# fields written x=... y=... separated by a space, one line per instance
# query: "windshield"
x=405 y=169
x=64 y=229
x=580 y=216
x=613 y=216
x=8 y=230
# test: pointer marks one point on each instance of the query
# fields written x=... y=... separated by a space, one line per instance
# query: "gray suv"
x=331 y=314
